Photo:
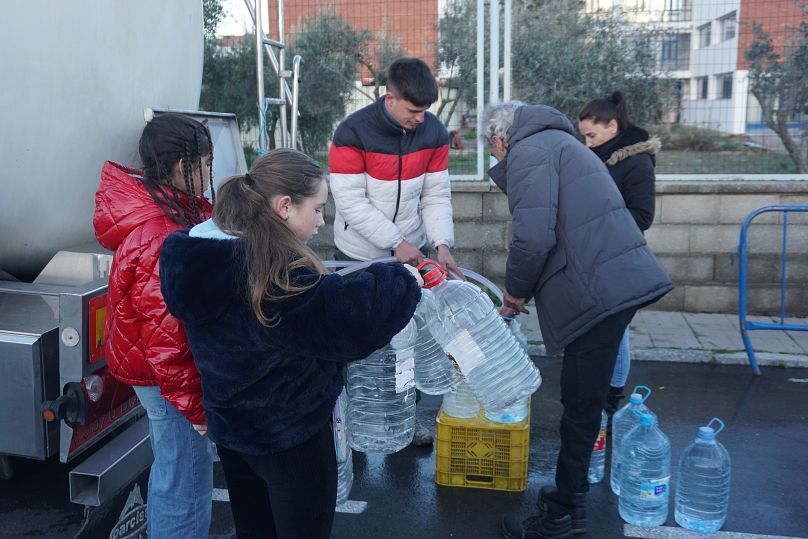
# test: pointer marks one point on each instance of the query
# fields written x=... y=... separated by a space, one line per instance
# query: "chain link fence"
x=722 y=82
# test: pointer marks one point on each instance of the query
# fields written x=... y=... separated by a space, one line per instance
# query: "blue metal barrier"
x=743 y=254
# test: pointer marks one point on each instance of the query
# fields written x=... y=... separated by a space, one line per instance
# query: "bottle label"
x=654 y=488
x=405 y=371
x=464 y=351
x=600 y=443
x=338 y=428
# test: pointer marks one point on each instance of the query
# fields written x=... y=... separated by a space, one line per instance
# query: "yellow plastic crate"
x=479 y=453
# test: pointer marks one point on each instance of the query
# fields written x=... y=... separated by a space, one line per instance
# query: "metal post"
x=480 y=83
x=281 y=74
x=493 y=57
x=295 y=89
x=259 y=70
x=506 y=78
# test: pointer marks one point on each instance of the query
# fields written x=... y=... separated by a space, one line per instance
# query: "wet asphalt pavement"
x=766 y=434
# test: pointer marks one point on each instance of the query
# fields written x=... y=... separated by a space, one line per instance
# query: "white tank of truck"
x=77 y=78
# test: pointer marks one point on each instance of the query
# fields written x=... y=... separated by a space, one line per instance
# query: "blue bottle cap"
x=707 y=432
x=646 y=420
x=637 y=397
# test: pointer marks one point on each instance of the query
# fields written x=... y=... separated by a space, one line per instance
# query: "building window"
x=704 y=35
x=726 y=85
x=675 y=52
x=702 y=86
x=728 y=26
x=677 y=10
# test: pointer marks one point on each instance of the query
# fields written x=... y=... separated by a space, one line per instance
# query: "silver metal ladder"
x=287 y=96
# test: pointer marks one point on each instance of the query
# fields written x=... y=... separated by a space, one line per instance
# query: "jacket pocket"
x=556 y=262
x=563 y=299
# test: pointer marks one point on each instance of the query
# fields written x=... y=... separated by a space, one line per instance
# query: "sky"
x=236 y=20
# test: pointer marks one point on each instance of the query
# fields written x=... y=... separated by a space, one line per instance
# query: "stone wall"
x=695 y=236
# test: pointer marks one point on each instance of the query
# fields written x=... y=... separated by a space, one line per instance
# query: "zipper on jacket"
x=400 y=164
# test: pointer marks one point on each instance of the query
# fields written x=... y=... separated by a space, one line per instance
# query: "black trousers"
x=585 y=374
x=286 y=495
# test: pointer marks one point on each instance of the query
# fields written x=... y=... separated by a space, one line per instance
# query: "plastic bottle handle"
x=648 y=389
x=431 y=272
x=720 y=423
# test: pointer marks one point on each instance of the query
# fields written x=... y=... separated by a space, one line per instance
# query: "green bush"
x=688 y=137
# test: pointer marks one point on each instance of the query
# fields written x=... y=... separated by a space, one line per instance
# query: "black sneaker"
x=544 y=526
x=422 y=436
x=578 y=515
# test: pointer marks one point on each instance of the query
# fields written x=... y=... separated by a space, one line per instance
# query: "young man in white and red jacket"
x=389 y=166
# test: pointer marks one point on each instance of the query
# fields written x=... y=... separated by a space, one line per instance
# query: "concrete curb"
x=684 y=355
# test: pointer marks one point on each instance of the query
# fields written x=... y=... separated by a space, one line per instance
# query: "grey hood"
x=531 y=119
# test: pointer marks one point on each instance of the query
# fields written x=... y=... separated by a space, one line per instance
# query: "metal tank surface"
x=78 y=76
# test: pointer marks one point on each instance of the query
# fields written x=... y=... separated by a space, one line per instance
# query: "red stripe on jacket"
x=384 y=166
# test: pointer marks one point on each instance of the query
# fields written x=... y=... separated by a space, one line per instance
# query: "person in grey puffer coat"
x=577 y=250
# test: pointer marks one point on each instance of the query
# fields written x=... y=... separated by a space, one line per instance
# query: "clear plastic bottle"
x=516 y=328
x=460 y=402
x=344 y=477
x=645 y=474
x=514 y=413
x=342 y=449
x=597 y=463
x=497 y=369
x=381 y=396
x=434 y=372
x=623 y=421
x=702 y=482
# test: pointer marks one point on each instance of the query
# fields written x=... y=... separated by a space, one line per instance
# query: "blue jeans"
x=623 y=364
x=181 y=477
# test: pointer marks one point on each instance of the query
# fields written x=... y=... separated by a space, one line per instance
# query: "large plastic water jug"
x=460 y=402
x=381 y=396
x=342 y=449
x=497 y=369
x=702 y=482
x=434 y=372
x=645 y=473
x=597 y=463
x=516 y=328
x=515 y=413
x=623 y=421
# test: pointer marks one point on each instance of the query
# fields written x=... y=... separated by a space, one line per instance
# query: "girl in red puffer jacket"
x=145 y=345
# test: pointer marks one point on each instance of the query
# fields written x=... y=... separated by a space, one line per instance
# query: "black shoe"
x=613 y=399
x=543 y=526
x=578 y=514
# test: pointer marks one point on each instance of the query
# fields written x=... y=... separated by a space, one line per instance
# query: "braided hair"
x=165 y=141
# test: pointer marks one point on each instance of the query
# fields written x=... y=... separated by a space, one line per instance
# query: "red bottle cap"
x=432 y=273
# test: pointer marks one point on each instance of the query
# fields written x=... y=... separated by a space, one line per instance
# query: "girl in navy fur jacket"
x=271 y=333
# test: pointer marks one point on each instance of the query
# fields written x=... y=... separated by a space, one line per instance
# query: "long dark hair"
x=605 y=109
x=165 y=141
x=272 y=251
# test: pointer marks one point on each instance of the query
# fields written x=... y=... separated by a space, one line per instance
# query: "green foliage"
x=212 y=15
x=457 y=50
x=779 y=84
x=229 y=80
x=331 y=49
x=688 y=137
x=561 y=56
